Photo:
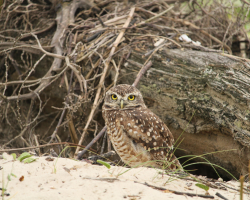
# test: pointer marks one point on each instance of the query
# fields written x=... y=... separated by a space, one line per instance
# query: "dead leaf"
x=21 y=178
x=49 y=159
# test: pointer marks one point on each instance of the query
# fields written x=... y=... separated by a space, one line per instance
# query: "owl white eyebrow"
x=131 y=94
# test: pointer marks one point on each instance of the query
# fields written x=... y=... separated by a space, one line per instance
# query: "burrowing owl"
x=137 y=134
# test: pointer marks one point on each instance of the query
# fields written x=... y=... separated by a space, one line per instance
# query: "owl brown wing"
x=147 y=129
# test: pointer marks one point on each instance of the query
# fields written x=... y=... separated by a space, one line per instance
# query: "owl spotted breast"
x=137 y=134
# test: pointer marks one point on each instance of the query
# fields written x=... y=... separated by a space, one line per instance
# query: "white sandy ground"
x=85 y=182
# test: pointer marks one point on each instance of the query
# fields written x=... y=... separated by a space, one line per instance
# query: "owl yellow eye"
x=113 y=97
x=131 y=97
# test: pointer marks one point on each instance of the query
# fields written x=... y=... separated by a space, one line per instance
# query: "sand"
x=80 y=180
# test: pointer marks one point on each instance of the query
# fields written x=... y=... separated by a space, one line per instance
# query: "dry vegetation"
x=58 y=59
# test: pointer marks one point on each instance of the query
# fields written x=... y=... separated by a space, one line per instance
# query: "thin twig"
x=77 y=74
x=79 y=156
x=46 y=52
x=241 y=187
x=141 y=72
x=37 y=144
x=103 y=142
x=156 y=16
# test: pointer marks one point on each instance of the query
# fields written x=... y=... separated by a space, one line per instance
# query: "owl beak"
x=121 y=104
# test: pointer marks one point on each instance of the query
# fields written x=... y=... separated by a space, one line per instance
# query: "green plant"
x=104 y=163
x=26 y=158
x=14 y=156
x=54 y=169
x=207 y=162
x=204 y=187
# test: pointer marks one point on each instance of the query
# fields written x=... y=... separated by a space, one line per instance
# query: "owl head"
x=123 y=97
